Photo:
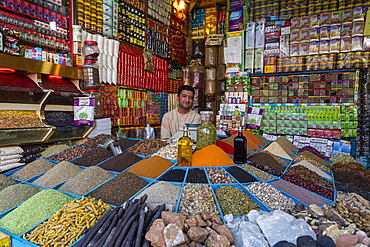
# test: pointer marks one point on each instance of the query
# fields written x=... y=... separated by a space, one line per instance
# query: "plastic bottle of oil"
x=185 y=149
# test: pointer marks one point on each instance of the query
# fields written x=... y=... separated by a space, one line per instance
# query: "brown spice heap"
x=346 y=166
x=279 y=160
x=147 y=146
x=301 y=157
x=266 y=159
x=307 y=174
x=356 y=177
x=286 y=145
x=69 y=154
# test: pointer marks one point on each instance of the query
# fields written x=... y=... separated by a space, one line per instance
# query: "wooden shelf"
x=36 y=66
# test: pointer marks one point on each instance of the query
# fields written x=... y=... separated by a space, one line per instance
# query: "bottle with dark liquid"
x=240 y=148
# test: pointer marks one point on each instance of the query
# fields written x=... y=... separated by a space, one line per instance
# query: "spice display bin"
x=329 y=202
x=240 y=187
x=12 y=136
x=185 y=169
x=70 y=132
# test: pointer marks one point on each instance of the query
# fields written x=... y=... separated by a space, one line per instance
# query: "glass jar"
x=90 y=72
x=206 y=132
x=90 y=50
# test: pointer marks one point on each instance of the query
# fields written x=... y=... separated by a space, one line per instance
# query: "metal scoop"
x=112 y=144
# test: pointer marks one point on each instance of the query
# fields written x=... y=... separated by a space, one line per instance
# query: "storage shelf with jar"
x=36 y=100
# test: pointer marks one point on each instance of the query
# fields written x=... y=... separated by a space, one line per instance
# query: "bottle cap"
x=90 y=42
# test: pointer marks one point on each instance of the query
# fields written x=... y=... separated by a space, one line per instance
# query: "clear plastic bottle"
x=90 y=72
x=185 y=149
x=90 y=50
x=206 y=131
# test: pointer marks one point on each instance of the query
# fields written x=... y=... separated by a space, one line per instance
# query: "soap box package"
x=236 y=20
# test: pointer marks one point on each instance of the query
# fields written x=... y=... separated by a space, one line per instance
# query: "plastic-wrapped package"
x=211 y=74
x=197 y=76
x=211 y=56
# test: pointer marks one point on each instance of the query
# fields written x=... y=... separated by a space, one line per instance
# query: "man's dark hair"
x=185 y=87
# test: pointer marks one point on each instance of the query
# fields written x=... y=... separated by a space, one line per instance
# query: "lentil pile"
x=161 y=193
x=147 y=147
x=219 y=176
x=299 y=193
x=196 y=175
x=120 y=162
x=307 y=174
x=53 y=150
x=15 y=194
x=85 y=181
x=69 y=154
x=271 y=197
x=257 y=172
x=58 y=174
x=93 y=142
x=196 y=198
x=234 y=201
x=174 y=175
x=126 y=143
x=267 y=160
x=93 y=157
x=151 y=167
x=120 y=188
x=5 y=181
x=34 y=210
x=70 y=222
x=33 y=169
x=241 y=175
x=19 y=119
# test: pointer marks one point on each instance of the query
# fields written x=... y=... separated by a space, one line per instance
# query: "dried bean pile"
x=19 y=119
x=271 y=197
x=85 y=181
x=161 y=193
x=70 y=222
x=267 y=160
x=120 y=188
x=93 y=157
x=174 y=175
x=196 y=175
x=196 y=198
x=219 y=176
x=308 y=185
x=58 y=174
x=33 y=169
x=69 y=154
x=234 y=201
x=93 y=142
x=257 y=172
x=299 y=193
x=126 y=143
x=34 y=210
x=15 y=97
x=120 y=162
x=307 y=174
x=53 y=150
x=147 y=146
x=15 y=194
x=5 y=181
x=59 y=118
x=241 y=175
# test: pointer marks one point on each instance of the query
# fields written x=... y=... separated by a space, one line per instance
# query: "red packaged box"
x=40 y=12
x=19 y=6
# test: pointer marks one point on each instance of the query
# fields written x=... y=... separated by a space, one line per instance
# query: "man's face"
x=185 y=99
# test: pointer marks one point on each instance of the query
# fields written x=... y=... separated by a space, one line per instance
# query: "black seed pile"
x=93 y=157
x=240 y=174
x=196 y=175
x=175 y=175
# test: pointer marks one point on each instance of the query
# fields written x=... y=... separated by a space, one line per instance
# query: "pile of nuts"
x=219 y=176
